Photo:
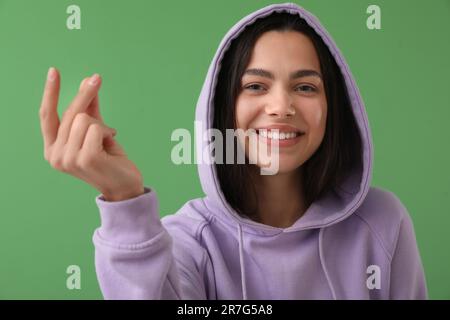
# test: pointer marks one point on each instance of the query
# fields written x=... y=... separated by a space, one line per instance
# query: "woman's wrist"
x=129 y=194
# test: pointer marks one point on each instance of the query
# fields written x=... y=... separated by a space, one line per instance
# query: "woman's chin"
x=284 y=165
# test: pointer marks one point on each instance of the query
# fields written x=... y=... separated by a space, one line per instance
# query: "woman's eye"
x=303 y=88
x=307 y=88
x=254 y=87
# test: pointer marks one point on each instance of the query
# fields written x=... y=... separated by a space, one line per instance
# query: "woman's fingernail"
x=51 y=74
x=94 y=79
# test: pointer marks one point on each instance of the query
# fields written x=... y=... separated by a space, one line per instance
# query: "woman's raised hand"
x=82 y=145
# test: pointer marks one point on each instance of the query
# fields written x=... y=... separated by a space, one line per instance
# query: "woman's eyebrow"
x=294 y=75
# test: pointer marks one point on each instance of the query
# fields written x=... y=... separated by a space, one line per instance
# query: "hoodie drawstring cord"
x=241 y=263
x=322 y=262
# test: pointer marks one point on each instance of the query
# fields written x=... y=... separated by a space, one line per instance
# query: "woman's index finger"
x=48 y=111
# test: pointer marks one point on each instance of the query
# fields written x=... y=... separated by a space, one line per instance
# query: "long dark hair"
x=340 y=149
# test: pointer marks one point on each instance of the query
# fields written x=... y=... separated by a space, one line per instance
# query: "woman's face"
x=283 y=86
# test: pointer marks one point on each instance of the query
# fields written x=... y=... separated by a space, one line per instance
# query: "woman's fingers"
x=65 y=142
x=80 y=104
x=93 y=143
x=48 y=112
x=83 y=82
x=94 y=107
x=82 y=145
x=78 y=134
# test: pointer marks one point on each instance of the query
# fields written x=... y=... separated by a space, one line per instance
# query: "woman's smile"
x=275 y=136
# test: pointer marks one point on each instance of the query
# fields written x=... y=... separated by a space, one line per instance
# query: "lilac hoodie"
x=357 y=242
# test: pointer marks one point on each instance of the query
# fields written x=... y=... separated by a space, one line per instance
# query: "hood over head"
x=335 y=205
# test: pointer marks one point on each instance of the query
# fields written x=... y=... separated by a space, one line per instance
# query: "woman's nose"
x=280 y=106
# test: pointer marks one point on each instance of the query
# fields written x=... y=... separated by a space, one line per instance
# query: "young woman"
x=315 y=229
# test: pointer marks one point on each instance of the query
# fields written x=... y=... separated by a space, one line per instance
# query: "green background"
x=153 y=56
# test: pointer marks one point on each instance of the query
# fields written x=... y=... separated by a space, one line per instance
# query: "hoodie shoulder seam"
x=198 y=237
x=199 y=230
x=397 y=236
x=206 y=255
x=377 y=236
x=198 y=227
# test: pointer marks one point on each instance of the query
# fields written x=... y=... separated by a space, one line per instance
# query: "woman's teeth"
x=277 y=135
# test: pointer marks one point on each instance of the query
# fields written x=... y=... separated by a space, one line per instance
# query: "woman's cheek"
x=320 y=123
x=245 y=114
x=319 y=114
x=315 y=118
x=318 y=118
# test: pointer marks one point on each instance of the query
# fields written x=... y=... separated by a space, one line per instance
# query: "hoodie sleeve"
x=407 y=274
x=133 y=253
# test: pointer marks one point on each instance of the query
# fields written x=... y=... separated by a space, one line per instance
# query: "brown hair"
x=340 y=149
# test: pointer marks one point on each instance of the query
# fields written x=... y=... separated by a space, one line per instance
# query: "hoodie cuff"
x=130 y=221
